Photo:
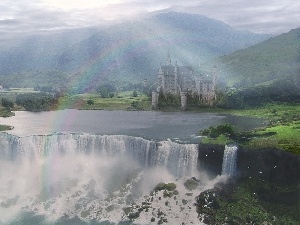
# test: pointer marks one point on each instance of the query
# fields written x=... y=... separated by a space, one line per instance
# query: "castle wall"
x=154 y=99
x=183 y=97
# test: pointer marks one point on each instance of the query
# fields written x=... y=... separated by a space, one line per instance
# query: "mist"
x=93 y=177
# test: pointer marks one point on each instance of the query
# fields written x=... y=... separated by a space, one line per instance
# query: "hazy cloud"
x=27 y=16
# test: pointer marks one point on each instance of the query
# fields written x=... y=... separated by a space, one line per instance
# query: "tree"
x=90 y=102
x=105 y=90
x=7 y=104
x=134 y=94
x=136 y=105
x=37 y=101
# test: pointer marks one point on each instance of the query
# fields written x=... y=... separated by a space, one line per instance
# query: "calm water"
x=146 y=124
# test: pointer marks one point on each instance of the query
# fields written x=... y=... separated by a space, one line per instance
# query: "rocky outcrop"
x=273 y=165
x=210 y=159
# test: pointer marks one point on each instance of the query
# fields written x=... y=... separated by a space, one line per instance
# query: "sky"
x=19 y=17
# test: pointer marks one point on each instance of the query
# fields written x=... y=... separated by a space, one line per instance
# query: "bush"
x=163 y=186
x=37 y=101
x=90 y=102
x=134 y=94
x=135 y=105
x=191 y=184
x=7 y=104
x=214 y=132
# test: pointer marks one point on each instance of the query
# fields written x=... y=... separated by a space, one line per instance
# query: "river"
x=182 y=126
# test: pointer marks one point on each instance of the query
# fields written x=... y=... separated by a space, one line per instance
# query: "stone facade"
x=181 y=80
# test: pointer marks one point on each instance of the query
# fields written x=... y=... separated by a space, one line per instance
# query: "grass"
x=282 y=131
x=276 y=113
x=5 y=127
x=285 y=137
x=121 y=101
x=259 y=201
x=5 y=113
x=220 y=140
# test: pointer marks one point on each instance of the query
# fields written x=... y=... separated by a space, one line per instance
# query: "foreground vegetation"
x=250 y=201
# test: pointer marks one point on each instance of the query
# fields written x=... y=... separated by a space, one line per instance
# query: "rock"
x=191 y=184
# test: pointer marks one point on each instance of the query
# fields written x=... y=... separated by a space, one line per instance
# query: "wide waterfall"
x=179 y=159
x=229 y=161
x=69 y=177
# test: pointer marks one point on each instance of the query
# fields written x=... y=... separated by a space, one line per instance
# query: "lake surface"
x=183 y=126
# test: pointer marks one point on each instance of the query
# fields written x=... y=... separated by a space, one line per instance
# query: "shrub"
x=90 y=102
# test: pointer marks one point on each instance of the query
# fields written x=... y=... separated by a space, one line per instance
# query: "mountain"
x=277 y=58
x=127 y=52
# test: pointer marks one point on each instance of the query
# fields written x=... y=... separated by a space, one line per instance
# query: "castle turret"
x=160 y=76
x=176 y=78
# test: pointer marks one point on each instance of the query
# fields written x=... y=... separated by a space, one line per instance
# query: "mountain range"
x=277 y=58
x=123 y=53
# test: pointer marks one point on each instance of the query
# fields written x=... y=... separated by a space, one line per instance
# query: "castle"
x=181 y=80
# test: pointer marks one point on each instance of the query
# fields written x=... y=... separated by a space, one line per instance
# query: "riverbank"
x=281 y=131
x=120 y=101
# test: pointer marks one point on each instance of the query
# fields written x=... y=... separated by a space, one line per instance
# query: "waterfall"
x=179 y=159
x=229 y=160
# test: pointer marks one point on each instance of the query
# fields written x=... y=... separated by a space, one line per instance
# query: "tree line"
x=37 y=101
x=280 y=90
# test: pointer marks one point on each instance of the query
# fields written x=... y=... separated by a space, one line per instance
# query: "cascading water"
x=229 y=161
x=179 y=159
x=93 y=177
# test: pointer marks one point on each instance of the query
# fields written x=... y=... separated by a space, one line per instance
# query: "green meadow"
x=281 y=131
x=121 y=101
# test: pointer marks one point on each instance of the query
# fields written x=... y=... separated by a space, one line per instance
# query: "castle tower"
x=154 y=99
x=160 y=75
x=183 y=97
x=214 y=82
x=176 y=77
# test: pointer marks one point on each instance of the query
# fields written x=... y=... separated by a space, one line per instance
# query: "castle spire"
x=168 y=61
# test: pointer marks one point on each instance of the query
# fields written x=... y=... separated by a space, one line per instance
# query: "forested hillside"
x=275 y=59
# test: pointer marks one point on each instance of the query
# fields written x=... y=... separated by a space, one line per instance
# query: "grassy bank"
x=282 y=130
x=5 y=113
x=121 y=101
x=5 y=127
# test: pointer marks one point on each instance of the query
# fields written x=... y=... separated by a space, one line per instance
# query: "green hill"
x=273 y=59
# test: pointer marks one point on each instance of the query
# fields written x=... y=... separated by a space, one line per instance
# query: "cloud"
x=28 y=16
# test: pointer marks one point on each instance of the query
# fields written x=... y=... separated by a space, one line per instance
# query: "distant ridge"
x=127 y=52
x=275 y=58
